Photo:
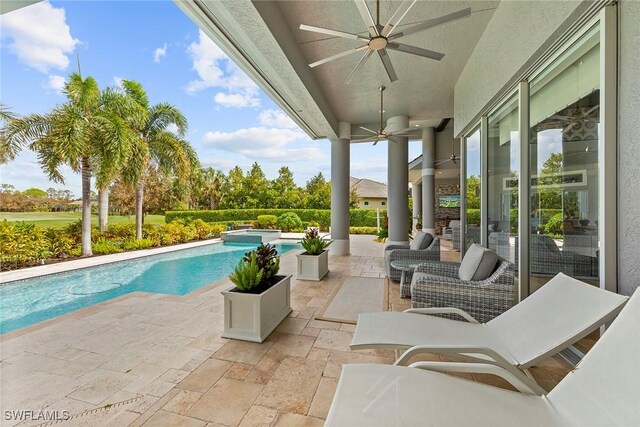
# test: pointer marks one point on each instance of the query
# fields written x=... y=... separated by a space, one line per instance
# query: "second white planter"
x=313 y=267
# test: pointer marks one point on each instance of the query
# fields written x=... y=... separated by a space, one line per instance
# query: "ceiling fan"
x=382 y=38
x=382 y=133
x=452 y=158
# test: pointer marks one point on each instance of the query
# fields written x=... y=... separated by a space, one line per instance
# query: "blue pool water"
x=26 y=302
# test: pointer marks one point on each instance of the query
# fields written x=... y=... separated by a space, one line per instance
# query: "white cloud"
x=237 y=100
x=117 y=80
x=215 y=70
x=56 y=83
x=159 y=53
x=262 y=143
x=277 y=119
x=40 y=36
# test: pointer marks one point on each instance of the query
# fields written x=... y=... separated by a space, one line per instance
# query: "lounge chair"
x=557 y=315
x=604 y=390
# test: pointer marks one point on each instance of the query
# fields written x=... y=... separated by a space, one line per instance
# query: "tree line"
x=116 y=137
x=34 y=199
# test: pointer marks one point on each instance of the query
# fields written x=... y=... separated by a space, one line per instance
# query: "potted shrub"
x=313 y=264
x=261 y=298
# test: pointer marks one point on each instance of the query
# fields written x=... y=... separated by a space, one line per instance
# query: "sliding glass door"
x=564 y=159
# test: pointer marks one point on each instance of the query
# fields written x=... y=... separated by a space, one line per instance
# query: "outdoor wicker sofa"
x=437 y=284
x=403 y=252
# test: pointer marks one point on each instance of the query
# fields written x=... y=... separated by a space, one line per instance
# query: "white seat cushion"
x=478 y=263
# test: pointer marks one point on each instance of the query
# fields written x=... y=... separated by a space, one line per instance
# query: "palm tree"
x=212 y=181
x=87 y=133
x=156 y=144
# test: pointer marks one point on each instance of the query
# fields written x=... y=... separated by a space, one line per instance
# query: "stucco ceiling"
x=264 y=38
x=424 y=89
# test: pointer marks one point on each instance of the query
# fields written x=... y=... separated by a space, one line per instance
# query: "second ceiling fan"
x=382 y=133
x=381 y=38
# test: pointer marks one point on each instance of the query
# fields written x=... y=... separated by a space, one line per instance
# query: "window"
x=472 y=194
x=384 y=203
x=366 y=203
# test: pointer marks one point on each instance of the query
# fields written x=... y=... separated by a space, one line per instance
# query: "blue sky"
x=231 y=121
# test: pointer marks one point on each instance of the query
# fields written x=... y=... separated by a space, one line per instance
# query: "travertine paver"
x=152 y=359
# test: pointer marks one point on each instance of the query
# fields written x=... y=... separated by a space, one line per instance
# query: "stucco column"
x=416 y=194
x=428 y=180
x=398 y=183
x=340 y=151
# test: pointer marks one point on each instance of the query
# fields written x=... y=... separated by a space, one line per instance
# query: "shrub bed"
x=24 y=244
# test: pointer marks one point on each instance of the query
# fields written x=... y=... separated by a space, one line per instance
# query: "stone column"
x=398 y=183
x=416 y=193
x=340 y=151
x=428 y=180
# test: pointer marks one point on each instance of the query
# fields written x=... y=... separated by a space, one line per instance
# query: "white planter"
x=252 y=317
x=313 y=267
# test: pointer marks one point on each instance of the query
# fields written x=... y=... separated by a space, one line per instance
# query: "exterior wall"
x=372 y=203
x=628 y=147
x=517 y=31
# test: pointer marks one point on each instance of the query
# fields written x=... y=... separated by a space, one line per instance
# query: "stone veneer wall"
x=443 y=213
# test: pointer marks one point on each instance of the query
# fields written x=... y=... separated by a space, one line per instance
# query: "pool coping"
x=7 y=277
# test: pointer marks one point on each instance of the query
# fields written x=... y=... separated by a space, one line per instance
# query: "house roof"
x=368 y=189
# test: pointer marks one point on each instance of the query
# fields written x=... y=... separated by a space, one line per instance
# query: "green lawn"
x=61 y=219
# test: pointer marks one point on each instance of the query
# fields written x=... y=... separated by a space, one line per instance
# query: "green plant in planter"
x=247 y=275
x=256 y=268
x=312 y=243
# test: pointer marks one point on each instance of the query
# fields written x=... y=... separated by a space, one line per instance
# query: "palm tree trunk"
x=139 y=200
x=212 y=202
x=86 y=207
x=103 y=208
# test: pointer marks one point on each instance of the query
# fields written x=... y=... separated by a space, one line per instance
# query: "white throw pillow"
x=478 y=263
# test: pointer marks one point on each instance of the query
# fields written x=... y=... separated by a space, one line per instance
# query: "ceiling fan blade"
x=336 y=56
x=375 y=142
x=416 y=51
x=363 y=10
x=368 y=130
x=359 y=65
x=392 y=139
x=400 y=132
x=331 y=32
x=433 y=23
x=442 y=162
x=386 y=61
x=365 y=139
x=397 y=17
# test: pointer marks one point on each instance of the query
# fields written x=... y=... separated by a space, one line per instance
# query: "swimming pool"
x=29 y=301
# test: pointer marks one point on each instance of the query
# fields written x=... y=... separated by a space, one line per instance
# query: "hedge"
x=358 y=217
x=363 y=230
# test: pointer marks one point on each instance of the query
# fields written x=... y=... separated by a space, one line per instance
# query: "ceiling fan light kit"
x=381 y=38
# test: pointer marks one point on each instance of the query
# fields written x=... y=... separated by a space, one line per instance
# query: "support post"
x=398 y=183
x=340 y=151
x=429 y=180
x=416 y=194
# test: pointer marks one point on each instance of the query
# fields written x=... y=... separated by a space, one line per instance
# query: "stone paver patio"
x=159 y=360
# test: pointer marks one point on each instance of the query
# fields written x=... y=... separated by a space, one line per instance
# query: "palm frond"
x=162 y=115
x=20 y=132
x=137 y=92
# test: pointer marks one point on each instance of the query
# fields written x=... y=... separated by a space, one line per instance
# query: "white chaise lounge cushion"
x=421 y=241
x=478 y=263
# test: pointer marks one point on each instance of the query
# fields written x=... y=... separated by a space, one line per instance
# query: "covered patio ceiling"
x=265 y=40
